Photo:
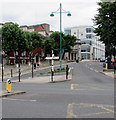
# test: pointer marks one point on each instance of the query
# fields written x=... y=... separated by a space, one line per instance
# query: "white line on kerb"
x=19 y=99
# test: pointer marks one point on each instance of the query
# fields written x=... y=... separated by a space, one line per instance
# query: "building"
x=43 y=29
x=108 y=0
x=91 y=47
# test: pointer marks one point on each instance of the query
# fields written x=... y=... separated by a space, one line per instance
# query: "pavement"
x=38 y=80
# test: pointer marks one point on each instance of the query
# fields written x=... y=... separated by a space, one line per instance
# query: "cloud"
x=29 y=12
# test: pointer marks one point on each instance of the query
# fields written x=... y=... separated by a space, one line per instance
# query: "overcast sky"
x=30 y=12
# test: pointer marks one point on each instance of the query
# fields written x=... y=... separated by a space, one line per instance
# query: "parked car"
x=102 y=59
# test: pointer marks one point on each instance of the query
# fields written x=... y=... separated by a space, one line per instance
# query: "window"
x=68 y=32
x=89 y=36
x=88 y=30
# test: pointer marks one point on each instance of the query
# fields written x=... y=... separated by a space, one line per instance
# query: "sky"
x=31 y=12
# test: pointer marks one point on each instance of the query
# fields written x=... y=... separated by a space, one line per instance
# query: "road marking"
x=87 y=87
x=73 y=86
x=91 y=114
x=19 y=99
x=70 y=111
x=105 y=108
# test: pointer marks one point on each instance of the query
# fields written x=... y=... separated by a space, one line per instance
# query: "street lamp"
x=60 y=10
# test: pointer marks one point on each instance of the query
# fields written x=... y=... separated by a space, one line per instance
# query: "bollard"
x=106 y=66
x=11 y=73
x=8 y=85
x=67 y=72
x=52 y=75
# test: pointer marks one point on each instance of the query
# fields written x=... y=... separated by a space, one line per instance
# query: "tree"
x=36 y=39
x=48 y=45
x=105 y=21
x=13 y=38
x=53 y=43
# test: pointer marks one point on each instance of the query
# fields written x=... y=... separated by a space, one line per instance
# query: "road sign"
x=8 y=85
x=52 y=58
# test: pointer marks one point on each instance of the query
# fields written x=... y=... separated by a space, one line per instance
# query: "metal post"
x=11 y=73
x=2 y=69
x=67 y=72
x=32 y=67
x=114 y=60
x=52 y=69
x=60 y=36
x=19 y=67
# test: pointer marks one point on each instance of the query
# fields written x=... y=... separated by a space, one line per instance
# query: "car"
x=102 y=59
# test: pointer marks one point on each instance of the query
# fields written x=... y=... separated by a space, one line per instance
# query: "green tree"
x=48 y=45
x=13 y=38
x=105 y=21
x=68 y=41
x=36 y=39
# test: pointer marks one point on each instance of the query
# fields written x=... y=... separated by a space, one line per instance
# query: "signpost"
x=52 y=66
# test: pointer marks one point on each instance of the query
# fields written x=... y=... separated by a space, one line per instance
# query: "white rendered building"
x=91 y=48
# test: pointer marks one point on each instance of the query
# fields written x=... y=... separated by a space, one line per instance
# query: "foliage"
x=13 y=38
x=48 y=45
x=68 y=41
x=105 y=21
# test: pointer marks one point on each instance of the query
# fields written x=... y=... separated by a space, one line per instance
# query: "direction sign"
x=52 y=58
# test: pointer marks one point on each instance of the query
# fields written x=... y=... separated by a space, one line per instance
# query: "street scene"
x=58 y=59
x=88 y=94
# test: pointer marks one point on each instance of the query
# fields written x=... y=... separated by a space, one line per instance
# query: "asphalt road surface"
x=89 y=94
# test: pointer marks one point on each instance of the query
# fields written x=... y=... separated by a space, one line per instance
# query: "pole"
x=32 y=67
x=2 y=69
x=67 y=72
x=19 y=67
x=114 y=61
x=60 y=36
x=11 y=73
x=52 y=69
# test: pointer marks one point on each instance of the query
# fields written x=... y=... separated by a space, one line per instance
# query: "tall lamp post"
x=60 y=10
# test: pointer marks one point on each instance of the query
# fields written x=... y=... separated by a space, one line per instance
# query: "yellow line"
x=98 y=113
x=73 y=86
x=70 y=113
x=106 y=108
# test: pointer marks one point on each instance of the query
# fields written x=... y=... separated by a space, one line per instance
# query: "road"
x=89 y=94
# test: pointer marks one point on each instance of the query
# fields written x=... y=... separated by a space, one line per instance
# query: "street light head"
x=69 y=14
x=52 y=15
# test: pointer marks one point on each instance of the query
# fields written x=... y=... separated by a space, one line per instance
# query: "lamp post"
x=60 y=10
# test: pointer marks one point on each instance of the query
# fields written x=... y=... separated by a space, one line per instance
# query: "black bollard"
x=67 y=72
x=52 y=75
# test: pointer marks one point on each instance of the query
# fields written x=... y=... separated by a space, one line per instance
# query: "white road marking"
x=19 y=99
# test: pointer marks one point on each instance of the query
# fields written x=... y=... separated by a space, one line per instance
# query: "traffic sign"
x=52 y=58
x=8 y=85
